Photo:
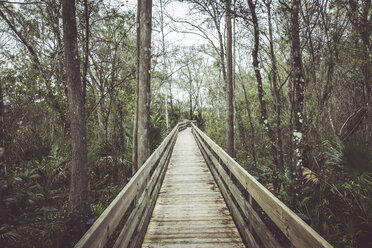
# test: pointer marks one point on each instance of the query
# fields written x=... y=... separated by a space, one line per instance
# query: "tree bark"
x=79 y=175
x=135 y=122
x=190 y=78
x=164 y=76
x=252 y=139
x=241 y=129
x=298 y=103
x=360 y=17
x=264 y=118
x=143 y=84
x=359 y=13
x=277 y=97
x=190 y=101
x=229 y=85
x=3 y=169
x=86 y=48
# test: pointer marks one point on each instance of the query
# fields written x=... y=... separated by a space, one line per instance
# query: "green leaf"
x=18 y=179
x=35 y=176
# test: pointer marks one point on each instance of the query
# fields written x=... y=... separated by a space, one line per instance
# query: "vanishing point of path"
x=190 y=210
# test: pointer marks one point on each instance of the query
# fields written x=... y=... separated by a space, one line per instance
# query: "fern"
x=334 y=152
x=8 y=235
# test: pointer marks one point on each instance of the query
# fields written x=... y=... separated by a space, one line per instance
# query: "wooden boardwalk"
x=190 y=210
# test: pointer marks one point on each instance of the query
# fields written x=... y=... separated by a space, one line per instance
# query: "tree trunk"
x=361 y=22
x=79 y=176
x=360 y=11
x=171 y=98
x=229 y=84
x=3 y=169
x=143 y=96
x=277 y=97
x=121 y=139
x=190 y=102
x=86 y=48
x=135 y=124
x=164 y=77
x=190 y=92
x=264 y=118
x=298 y=103
x=222 y=54
x=252 y=139
x=239 y=122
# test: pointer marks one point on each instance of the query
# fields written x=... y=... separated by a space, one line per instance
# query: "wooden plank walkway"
x=190 y=210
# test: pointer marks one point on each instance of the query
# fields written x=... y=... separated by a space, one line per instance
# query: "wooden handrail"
x=295 y=229
x=142 y=186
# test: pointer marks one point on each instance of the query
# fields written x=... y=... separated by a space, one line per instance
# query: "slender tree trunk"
x=122 y=143
x=3 y=169
x=190 y=102
x=99 y=109
x=171 y=98
x=365 y=34
x=79 y=176
x=144 y=91
x=298 y=103
x=164 y=77
x=222 y=55
x=190 y=92
x=264 y=118
x=166 y=110
x=239 y=122
x=86 y=48
x=229 y=84
x=135 y=124
x=252 y=139
x=360 y=16
x=277 y=97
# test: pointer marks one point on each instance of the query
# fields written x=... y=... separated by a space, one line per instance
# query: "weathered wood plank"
x=190 y=211
x=297 y=231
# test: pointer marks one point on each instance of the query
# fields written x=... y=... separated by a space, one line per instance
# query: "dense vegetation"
x=301 y=105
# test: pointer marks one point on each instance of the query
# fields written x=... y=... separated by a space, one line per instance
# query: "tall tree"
x=264 y=115
x=274 y=77
x=298 y=102
x=3 y=171
x=229 y=84
x=360 y=14
x=252 y=138
x=79 y=175
x=164 y=62
x=142 y=119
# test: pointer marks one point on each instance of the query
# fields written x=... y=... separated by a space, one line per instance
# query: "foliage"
x=34 y=192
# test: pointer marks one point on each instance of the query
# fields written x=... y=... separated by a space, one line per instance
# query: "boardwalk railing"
x=136 y=201
x=242 y=191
